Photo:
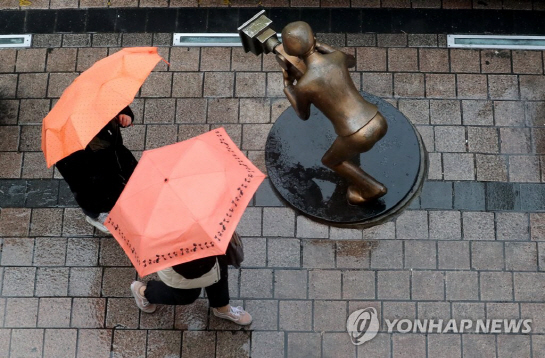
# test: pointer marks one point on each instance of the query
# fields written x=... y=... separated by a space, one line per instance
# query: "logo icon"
x=362 y=325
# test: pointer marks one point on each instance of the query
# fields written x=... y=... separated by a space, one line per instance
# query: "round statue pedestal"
x=293 y=158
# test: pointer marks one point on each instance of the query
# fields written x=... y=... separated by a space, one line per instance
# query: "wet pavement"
x=471 y=247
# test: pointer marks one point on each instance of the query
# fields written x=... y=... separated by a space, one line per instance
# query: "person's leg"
x=159 y=292
x=218 y=297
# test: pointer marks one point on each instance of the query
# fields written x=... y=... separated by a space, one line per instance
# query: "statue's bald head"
x=297 y=38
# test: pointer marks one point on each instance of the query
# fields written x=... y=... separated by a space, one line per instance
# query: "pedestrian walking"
x=97 y=174
x=182 y=285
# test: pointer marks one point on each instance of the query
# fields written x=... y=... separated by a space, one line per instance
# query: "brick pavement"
x=471 y=247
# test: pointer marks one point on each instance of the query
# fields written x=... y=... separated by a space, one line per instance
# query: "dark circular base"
x=293 y=158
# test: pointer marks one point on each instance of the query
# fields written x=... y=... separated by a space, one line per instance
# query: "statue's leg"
x=364 y=187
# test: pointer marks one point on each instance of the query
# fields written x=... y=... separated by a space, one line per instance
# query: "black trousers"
x=217 y=294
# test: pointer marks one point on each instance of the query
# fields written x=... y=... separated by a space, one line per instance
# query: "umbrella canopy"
x=183 y=202
x=93 y=99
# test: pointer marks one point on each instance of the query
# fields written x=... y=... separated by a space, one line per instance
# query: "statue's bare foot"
x=357 y=196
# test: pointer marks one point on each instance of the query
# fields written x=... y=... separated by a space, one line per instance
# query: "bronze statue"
x=327 y=85
x=323 y=80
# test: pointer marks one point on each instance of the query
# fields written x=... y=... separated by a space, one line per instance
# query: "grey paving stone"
x=445 y=225
x=295 y=315
x=428 y=285
x=304 y=344
x=434 y=310
x=453 y=255
x=54 y=312
x=538 y=343
x=541 y=256
x=532 y=197
x=76 y=40
x=192 y=317
x=353 y=254
x=256 y=283
x=478 y=226
x=12 y=193
x=537 y=226
x=458 y=166
x=330 y=316
x=318 y=254
x=385 y=231
x=412 y=225
x=535 y=312
x=443 y=345
x=361 y=40
x=467 y=310
x=266 y=196
x=469 y=196
x=528 y=286
x=50 y=251
x=476 y=346
x=88 y=312
x=515 y=140
x=512 y=226
x=462 y=285
x=513 y=345
x=393 y=285
x=85 y=281
x=324 y=284
x=250 y=223
x=60 y=343
x=496 y=286
x=52 y=281
x=21 y=312
x=290 y=284
x=27 y=343
x=487 y=255
x=495 y=310
x=337 y=345
x=417 y=110
x=255 y=252
x=17 y=251
x=503 y=87
x=336 y=233
x=380 y=346
x=278 y=222
x=445 y=112
x=122 y=312
x=436 y=195
x=523 y=168
x=94 y=342
x=502 y=196
x=163 y=318
x=387 y=254
x=521 y=256
x=42 y=193
x=450 y=139
x=264 y=314
x=392 y=311
x=307 y=228
x=491 y=167
x=420 y=254
x=408 y=345
x=18 y=281
x=358 y=284
x=284 y=252
x=14 y=222
x=115 y=281
x=422 y=40
x=169 y=343
x=232 y=344
x=268 y=344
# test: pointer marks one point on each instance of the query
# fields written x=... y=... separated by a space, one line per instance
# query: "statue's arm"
x=299 y=103
x=325 y=49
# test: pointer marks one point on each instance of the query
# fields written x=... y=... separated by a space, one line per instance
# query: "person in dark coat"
x=98 y=174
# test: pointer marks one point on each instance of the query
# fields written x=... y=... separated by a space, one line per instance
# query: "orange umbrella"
x=93 y=99
x=183 y=202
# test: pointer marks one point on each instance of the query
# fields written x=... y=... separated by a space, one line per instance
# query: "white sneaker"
x=236 y=314
x=99 y=222
x=141 y=301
